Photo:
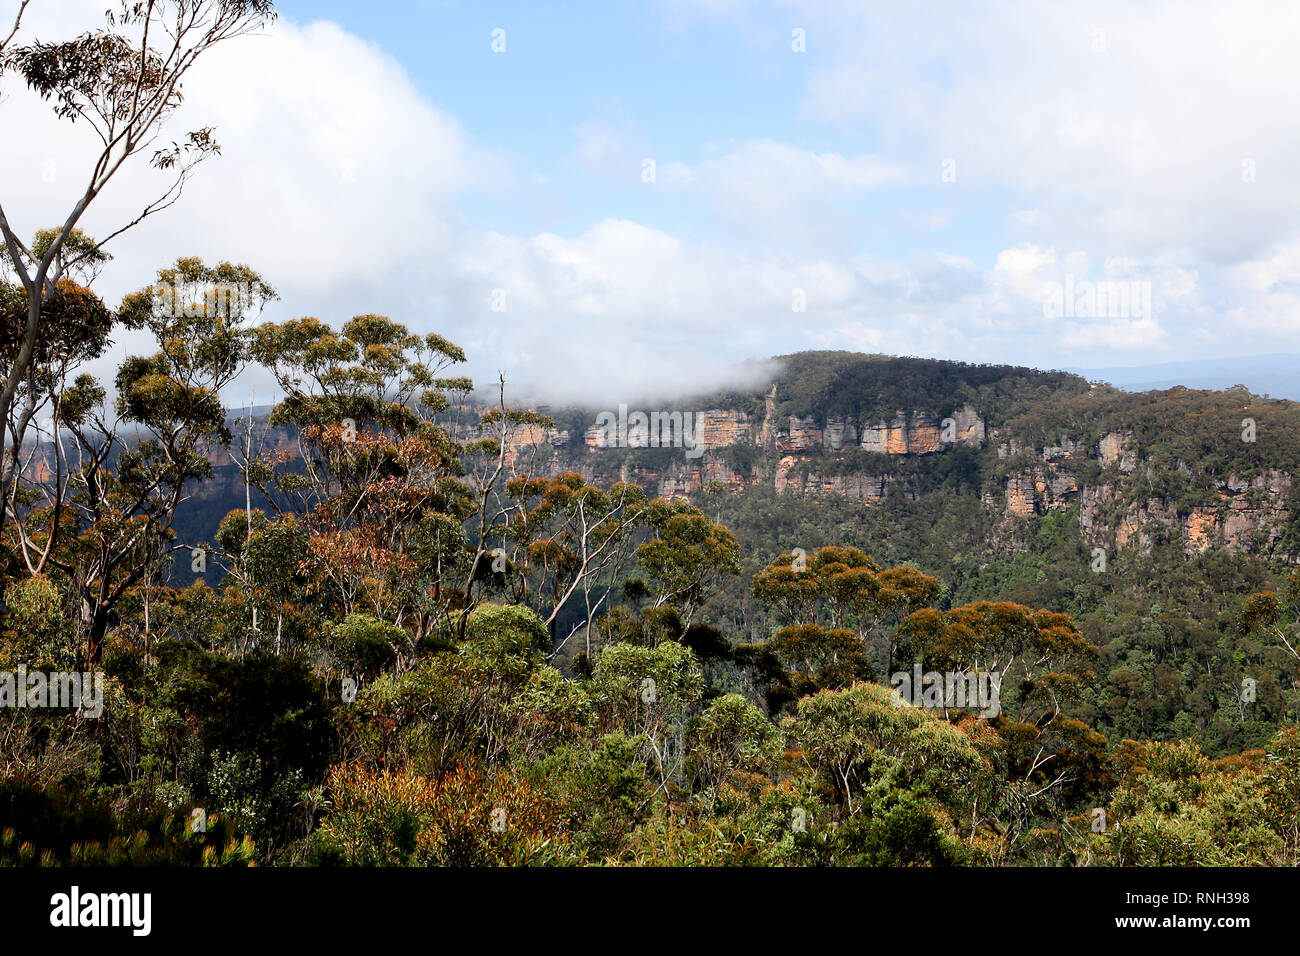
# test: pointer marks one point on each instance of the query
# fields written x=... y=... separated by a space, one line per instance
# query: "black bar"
x=335 y=906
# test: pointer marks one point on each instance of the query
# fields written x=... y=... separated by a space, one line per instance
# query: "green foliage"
x=363 y=645
x=602 y=791
x=639 y=682
x=858 y=738
x=1180 y=810
x=34 y=632
x=505 y=630
x=645 y=689
x=729 y=739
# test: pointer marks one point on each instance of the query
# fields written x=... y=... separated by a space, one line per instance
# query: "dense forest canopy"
x=875 y=388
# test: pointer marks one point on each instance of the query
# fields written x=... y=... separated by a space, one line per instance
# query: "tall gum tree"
x=123 y=81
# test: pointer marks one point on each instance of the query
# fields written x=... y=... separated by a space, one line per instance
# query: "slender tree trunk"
x=146 y=619
x=248 y=492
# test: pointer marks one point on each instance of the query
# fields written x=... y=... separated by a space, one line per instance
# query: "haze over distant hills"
x=1277 y=376
x=1274 y=375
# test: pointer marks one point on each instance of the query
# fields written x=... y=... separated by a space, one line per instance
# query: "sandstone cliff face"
x=519 y=440
x=795 y=439
x=886 y=439
x=1020 y=497
x=789 y=455
x=1039 y=492
x=711 y=429
x=869 y=489
x=968 y=427
x=1249 y=516
x=767 y=430
x=918 y=435
x=801 y=434
x=922 y=435
x=720 y=427
x=682 y=480
x=840 y=433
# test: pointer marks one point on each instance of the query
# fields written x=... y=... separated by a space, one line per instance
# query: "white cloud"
x=343 y=185
x=764 y=184
x=333 y=166
x=855 y=335
x=1124 y=334
x=610 y=148
x=336 y=176
x=629 y=309
x=1127 y=124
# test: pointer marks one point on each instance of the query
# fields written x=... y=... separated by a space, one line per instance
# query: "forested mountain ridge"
x=1207 y=469
x=1133 y=469
x=1150 y=517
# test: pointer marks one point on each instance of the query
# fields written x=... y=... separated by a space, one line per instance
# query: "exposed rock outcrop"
x=1118 y=448
x=1249 y=516
x=869 y=489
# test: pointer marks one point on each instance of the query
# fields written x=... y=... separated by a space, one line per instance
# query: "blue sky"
x=678 y=85
x=919 y=179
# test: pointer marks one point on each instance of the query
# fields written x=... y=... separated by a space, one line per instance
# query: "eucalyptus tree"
x=123 y=81
x=107 y=525
x=377 y=479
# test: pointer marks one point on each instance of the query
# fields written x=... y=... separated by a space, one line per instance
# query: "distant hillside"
x=1023 y=443
x=1131 y=467
x=1275 y=375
